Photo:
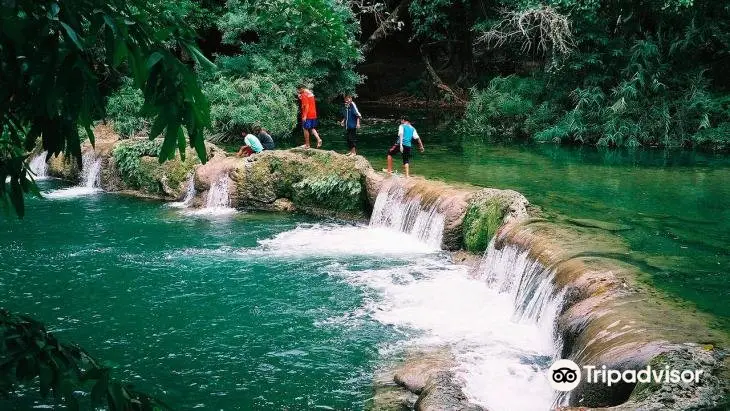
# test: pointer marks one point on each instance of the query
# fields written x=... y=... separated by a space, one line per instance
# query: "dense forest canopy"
x=619 y=73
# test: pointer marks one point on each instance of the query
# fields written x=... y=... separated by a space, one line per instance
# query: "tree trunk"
x=385 y=28
x=436 y=78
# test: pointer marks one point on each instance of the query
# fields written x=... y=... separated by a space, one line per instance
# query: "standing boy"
x=406 y=134
x=309 y=115
x=351 y=121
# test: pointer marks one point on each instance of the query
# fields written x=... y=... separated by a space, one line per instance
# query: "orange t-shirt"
x=309 y=106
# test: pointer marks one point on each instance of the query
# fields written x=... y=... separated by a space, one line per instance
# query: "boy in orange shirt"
x=309 y=115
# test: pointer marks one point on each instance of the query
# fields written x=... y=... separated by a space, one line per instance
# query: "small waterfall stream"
x=218 y=193
x=90 y=179
x=394 y=210
x=187 y=201
x=39 y=167
x=91 y=170
x=498 y=320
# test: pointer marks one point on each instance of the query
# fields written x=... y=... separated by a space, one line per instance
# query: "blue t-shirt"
x=409 y=133
x=350 y=114
x=254 y=143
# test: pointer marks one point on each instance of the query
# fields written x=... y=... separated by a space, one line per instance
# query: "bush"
x=123 y=110
x=127 y=158
x=255 y=99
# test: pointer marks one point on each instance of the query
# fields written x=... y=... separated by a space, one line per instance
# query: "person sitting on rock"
x=406 y=134
x=252 y=145
x=264 y=137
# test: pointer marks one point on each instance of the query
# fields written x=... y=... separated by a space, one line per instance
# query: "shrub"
x=123 y=110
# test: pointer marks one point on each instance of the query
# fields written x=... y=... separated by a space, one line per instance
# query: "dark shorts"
x=310 y=124
x=405 y=155
x=351 y=137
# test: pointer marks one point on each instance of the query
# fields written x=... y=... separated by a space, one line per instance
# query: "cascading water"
x=393 y=210
x=90 y=177
x=187 y=201
x=218 y=201
x=218 y=194
x=38 y=166
x=91 y=170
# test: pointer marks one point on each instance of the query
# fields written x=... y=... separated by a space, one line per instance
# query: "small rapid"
x=187 y=200
x=90 y=179
x=218 y=200
x=395 y=210
x=39 y=167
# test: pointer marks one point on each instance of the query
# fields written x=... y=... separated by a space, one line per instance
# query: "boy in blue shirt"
x=406 y=134
x=351 y=121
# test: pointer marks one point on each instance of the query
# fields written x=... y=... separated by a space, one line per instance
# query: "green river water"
x=192 y=309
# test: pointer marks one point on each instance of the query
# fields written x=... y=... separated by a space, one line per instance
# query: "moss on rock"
x=481 y=223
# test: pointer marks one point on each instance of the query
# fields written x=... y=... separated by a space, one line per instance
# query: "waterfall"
x=218 y=193
x=38 y=166
x=187 y=201
x=511 y=271
x=91 y=170
x=394 y=210
x=90 y=179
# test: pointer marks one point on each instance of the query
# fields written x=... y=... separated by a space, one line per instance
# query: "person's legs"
x=406 y=160
x=352 y=140
x=390 y=154
x=306 y=138
x=316 y=135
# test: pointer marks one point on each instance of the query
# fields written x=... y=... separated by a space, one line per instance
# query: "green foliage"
x=49 y=54
x=256 y=99
x=641 y=74
x=333 y=192
x=29 y=353
x=481 y=222
x=127 y=158
x=293 y=41
x=123 y=109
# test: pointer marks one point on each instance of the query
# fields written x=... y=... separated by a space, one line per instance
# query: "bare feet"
x=319 y=142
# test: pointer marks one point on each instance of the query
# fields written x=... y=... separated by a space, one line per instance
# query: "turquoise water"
x=674 y=204
x=195 y=310
x=257 y=310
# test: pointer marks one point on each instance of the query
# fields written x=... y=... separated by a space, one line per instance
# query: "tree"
x=51 y=57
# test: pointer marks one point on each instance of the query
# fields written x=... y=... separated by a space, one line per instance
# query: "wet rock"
x=283 y=204
x=416 y=371
x=609 y=317
x=442 y=392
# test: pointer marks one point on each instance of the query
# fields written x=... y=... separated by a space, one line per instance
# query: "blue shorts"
x=310 y=124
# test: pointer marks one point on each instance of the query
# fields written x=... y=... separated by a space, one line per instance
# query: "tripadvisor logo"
x=565 y=375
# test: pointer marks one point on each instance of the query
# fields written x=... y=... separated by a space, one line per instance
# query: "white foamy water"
x=218 y=202
x=187 y=201
x=90 y=179
x=501 y=351
x=393 y=210
x=500 y=361
x=334 y=240
x=39 y=167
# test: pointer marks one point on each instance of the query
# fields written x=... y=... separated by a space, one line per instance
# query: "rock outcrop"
x=609 y=317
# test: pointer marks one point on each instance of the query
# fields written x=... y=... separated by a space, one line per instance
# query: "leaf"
x=153 y=59
x=71 y=33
